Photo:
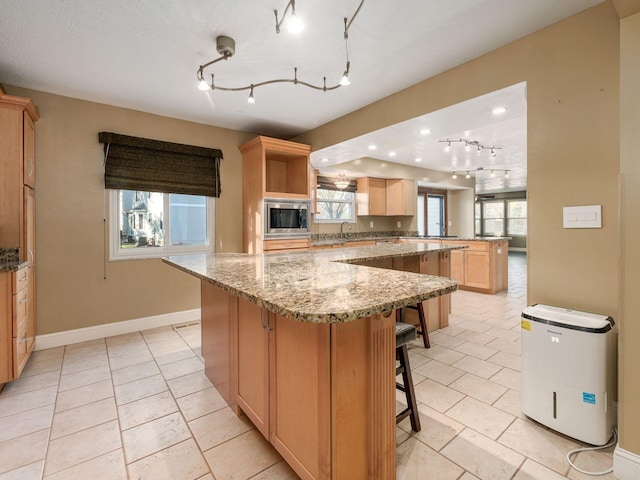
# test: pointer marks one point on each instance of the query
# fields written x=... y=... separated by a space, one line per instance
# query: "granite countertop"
x=10 y=260
x=347 y=240
x=320 y=286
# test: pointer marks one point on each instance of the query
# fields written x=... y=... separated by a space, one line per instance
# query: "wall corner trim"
x=67 y=337
x=626 y=465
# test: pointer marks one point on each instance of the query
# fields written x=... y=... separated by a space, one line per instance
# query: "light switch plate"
x=588 y=216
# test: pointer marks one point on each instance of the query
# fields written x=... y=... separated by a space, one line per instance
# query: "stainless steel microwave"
x=286 y=217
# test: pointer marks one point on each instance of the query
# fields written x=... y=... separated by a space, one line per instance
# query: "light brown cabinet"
x=390 y=197
x=17 y=230
x=271 y=168
x=286 y=244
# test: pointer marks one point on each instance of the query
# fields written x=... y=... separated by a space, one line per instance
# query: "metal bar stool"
x=404 y=334
x=423 y=323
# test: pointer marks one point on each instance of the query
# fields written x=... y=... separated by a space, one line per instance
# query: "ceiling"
x=144 y=55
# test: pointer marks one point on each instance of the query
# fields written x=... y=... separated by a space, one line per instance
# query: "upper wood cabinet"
x=392 y=197
x=278 y=168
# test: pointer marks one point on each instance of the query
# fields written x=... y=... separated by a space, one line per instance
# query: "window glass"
x=152 y=224
x=493 y=218
x=420 y=215
x=335 y=206
x=517 y=217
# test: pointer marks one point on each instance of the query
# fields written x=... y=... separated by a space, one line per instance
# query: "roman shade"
x=133 y=163
x=327 y=184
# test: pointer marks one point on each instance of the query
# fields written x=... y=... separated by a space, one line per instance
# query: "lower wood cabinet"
x=286 y=245
x=17 y=328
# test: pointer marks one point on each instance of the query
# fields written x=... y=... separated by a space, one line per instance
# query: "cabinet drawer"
x=20 y=350
x=476 y=246
x=20 y=279
x=20 y=310
x=286 y=244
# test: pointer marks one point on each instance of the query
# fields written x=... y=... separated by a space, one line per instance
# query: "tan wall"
x=572 y=74
x=71 y=289
x=629 y=353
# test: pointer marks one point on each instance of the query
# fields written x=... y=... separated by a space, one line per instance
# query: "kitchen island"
x=304 y=344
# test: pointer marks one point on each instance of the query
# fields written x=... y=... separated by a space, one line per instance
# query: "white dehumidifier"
x=568 y=371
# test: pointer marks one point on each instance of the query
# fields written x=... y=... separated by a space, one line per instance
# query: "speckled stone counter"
x=10 y=261
x=323 y=286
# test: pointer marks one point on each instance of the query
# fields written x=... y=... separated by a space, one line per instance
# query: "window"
x=478 y=219
x=335 y=206
x=516 y=217
x=152 y=224
x=432 y=212
x=493 y=218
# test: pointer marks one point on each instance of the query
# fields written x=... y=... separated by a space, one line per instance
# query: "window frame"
x=507 y=218
x=117 y=254
x=332 y=220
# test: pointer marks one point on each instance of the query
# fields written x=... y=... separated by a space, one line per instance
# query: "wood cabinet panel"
x=371 y=196
x=6 y=328
x=402 y=197
x=457 y=266
x=29 y=159
x=477 y=269
x=286 y=244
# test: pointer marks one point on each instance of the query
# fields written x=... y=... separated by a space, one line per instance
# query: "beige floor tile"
x=29 y=384
x=109 y=466
x=33 y=471
x=468 y=476
x=201 y=403
x=479 y=388
x=85 y=377
x=120 y=349
x=146 y=409
x=132 y=391
x=75 y=364
x=208 y=476
x=241 y=457
x=218 y=427
x=475 y=326
x=483 y=457
x=164 y=358
x=84 y=416
x=592 y=461
x=505 y=346
x=445 y=340
x=20 y=452
x=86 y=344
x=510 y=402
x=13 y=404
x=509 y=378
x=538 y=444
x=280 y=471
x=71 y=450
x=452 y=330
x=414 y=459
x=36 y=367
x=478 y=367
x=124 y=339
x=531 y=470
x=474 y=337
x=476 y=350
x=160 y=334
x=181 y=368
x=439 y=372
x=27 y=422
x=182 y=461
x=416 y=357
x=437 y=396
x=505 y=359
x=188 y=384
x=442 y=354
x=483 y=418
x=134 y=372
x=83 y=395
x=505 y=333
x=130 y=359
x=437 y=429
x=85 y=349
x=153 y=436
x=48 y=354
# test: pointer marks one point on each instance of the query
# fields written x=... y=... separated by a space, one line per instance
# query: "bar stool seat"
x=422 y=330
x=405 y=333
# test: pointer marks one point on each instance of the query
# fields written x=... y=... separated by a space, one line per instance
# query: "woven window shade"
x=327 y=184
x=133 y=163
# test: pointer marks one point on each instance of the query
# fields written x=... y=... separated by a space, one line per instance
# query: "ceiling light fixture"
x=454 y=174
x=226 y=47
x=418 y=159
x=342 y=181
x=425 y=131
x=392 y=154
x=372 y=147
x=294 y=25
x=468 y=144
x=468 y=175
x=499 y=110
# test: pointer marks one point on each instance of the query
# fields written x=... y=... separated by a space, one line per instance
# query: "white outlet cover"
x=371 y=224
x=587 y=216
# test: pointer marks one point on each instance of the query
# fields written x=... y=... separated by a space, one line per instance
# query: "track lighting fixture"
x=468 y=144
x=226 y=47
x=492 y=174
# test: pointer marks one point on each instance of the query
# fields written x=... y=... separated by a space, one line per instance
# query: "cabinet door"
x=457 y=266
x=29 y=158
x=6 y=328
x=253 y=364
x=377 y=196
x=29 y=227
x=477 y=269
x=401 y=197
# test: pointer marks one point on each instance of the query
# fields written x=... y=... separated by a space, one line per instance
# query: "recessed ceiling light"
x=372 y=147
x=424 y=131
x=499 y=110
x=392 y=154
x=324 y=159
x=418 y=159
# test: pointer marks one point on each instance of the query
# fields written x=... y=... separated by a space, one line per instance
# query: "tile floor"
x=138 y=406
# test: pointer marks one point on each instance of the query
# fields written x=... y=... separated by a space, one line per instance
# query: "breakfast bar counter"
x=304 y=345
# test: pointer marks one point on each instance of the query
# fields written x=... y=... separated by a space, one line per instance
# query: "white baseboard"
x=626 y=465
x=67 y=337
